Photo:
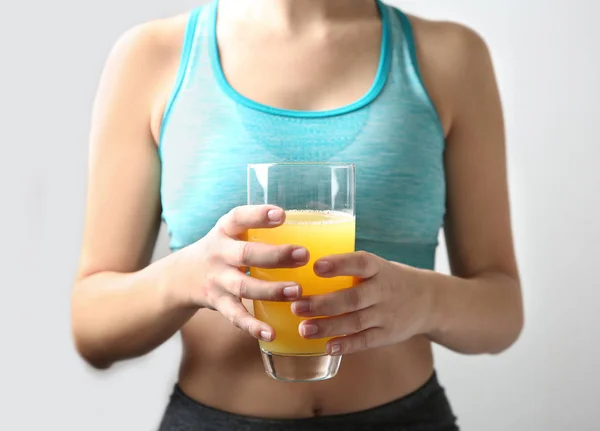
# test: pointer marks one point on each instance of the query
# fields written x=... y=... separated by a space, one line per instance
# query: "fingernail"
x=335 y=349
x=322 y=267
x=299 y=255
x=265 y=335
x=275 y=215
x=291 y=291
x=301 y=306
x=309 y=329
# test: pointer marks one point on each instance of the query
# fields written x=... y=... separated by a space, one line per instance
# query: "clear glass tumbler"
x=318 y=199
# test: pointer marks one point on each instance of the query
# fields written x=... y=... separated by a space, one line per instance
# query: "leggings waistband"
x=426 y=409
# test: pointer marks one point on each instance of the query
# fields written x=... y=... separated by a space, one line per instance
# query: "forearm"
x=117 y=316
x=474 y=316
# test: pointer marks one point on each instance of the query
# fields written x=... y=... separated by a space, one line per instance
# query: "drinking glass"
x=318 y=199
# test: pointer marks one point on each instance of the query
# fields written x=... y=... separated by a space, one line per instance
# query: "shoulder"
x=141 y=67
x=451 y=56
x=447 y=39
x=150 y=43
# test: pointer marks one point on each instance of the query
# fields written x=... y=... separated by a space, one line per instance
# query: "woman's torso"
x=213 y=127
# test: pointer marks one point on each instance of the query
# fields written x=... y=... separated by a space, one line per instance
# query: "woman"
x=185 y=103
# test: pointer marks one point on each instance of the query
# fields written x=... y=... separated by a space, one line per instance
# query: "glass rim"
x=315 y=164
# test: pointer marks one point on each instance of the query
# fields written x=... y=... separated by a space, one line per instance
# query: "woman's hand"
x=388 y=306
x=218 y=280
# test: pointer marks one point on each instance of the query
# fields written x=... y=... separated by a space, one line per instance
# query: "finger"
x=259 y=255
x=346 y=324
x=367 y=339
x=358 y=264
x=335 y=303
x=237 y=221
x=244 y=286
x=238 y=316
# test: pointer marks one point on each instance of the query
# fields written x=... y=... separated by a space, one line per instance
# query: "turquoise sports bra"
x=393 y=135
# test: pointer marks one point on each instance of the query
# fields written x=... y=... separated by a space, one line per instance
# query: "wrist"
x=434 y=300
x=172 y=283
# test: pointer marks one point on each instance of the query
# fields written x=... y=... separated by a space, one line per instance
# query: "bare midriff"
x=222 y=368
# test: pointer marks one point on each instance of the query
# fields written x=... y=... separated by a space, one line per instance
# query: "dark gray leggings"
x=426 y=409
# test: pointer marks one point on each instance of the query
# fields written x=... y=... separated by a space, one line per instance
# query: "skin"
x=123 y=306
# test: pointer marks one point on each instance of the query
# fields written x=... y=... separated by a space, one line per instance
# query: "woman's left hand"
x=388 y=305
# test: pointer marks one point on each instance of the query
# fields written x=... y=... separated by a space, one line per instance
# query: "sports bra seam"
x=189 y=41
x=404 y=242
x=377 y=88
x=409 y=40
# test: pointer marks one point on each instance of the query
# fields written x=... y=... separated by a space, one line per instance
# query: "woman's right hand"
x=213 y=267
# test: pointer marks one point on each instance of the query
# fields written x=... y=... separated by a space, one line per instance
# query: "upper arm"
x=461 y=76
x=123 y=200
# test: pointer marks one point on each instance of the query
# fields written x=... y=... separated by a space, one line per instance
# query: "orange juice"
x=323 y=233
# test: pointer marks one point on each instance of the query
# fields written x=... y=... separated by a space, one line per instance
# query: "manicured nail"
x=275 y=215
x=301 y=306
x=299 y=255
x=265 y=335
x=309 y=329
x=322 y=267
x=291 y=291
x=335 y=349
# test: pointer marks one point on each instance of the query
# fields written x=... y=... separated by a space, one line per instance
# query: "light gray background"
x=546 y=54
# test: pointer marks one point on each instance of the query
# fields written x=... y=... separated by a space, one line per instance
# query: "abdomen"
x=222 y=368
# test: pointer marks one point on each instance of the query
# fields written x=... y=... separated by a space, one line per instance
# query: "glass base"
x=300 y=368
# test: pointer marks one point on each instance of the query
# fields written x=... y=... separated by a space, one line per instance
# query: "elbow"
x=96 y=364
x=90 y=354
x=95 y=361
x=510 y=338
x=85 y=343
x=513 y=328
